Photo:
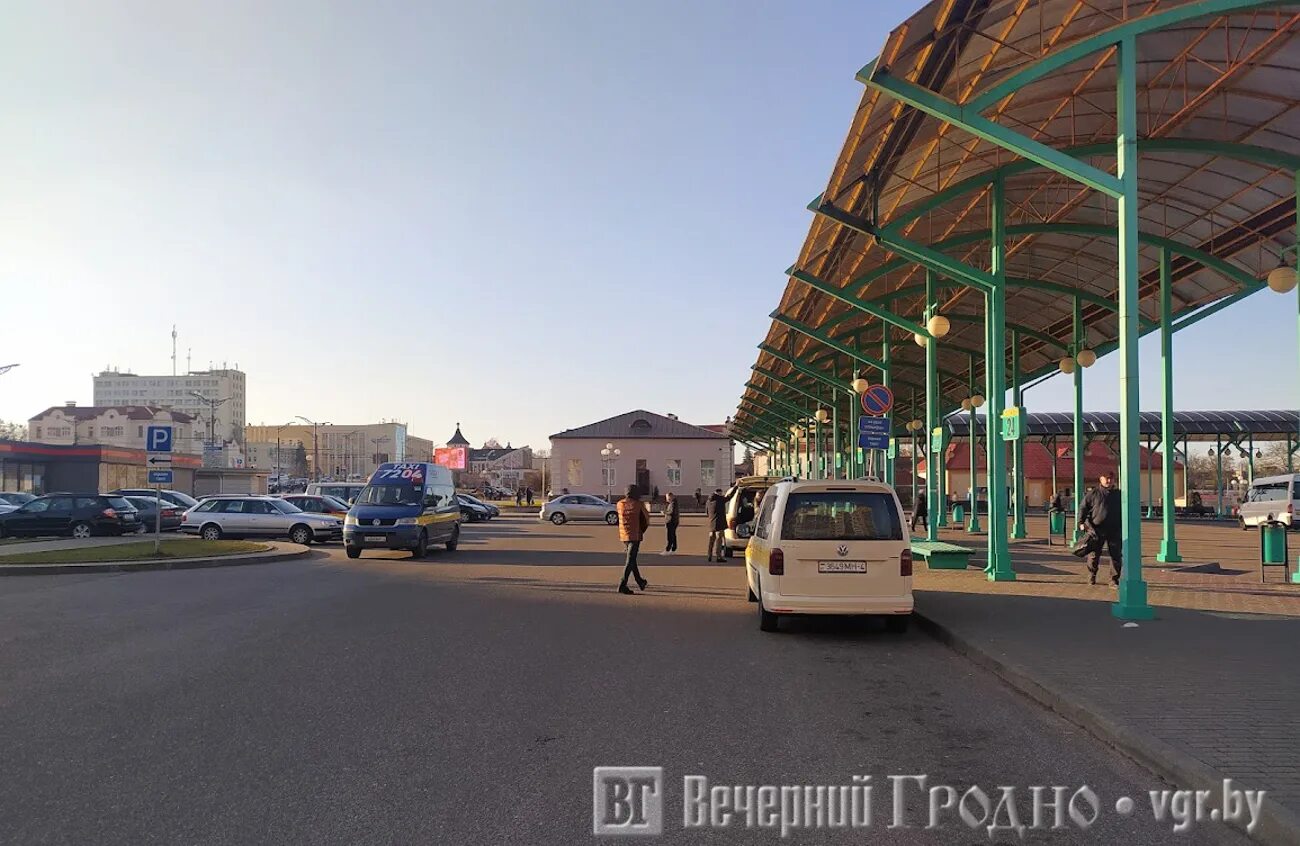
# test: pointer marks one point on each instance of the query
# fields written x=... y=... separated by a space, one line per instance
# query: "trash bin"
x=1056 y=522
x=1272 y=543
x=958 y=514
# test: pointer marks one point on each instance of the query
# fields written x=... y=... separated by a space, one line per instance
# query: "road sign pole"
x=157 y=520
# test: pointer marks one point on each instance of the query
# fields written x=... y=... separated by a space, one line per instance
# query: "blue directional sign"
x=160 y=477
x=873 y=432
x=158 y=439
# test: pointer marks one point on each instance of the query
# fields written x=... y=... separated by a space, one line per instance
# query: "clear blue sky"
x=521 y=216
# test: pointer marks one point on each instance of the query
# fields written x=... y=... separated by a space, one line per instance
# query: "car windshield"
x=396 y=493
x=841 y=515
x=285 y=507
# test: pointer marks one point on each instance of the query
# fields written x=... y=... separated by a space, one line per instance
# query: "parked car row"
x=78 y=515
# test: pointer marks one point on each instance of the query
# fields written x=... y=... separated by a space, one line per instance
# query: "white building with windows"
x=654 y=451
x=119 y=426
x=114 y=388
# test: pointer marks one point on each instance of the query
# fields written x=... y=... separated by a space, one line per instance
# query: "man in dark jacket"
x=1100 y=516
x=920 y=513
x=672 y=516
x=715 y=516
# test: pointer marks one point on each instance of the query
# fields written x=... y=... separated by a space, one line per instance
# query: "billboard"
x=453 y=458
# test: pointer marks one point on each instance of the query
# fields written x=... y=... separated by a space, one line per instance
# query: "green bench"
x=941 y=556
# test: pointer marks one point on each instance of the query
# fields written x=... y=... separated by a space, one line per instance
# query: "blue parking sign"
x=873 y=432
x=158 y=439
x=160 y=477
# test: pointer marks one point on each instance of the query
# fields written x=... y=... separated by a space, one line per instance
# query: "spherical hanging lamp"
x=860 y=385
x=938 y=326
x=1086 y=358
x=1282 y=280
x=977 y=400
x=920 y=339
x=1066 y=365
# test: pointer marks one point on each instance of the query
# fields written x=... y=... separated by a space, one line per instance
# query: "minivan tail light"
x=905 y=562
x=776 y=563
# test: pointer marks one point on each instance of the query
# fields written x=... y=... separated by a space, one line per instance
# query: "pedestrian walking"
x=699 y=499
x=672 y=516
x=529 y=493
x=920 y=514
x=715 y=515
x=1101 y=517
x=633 y=520
x=519 y=497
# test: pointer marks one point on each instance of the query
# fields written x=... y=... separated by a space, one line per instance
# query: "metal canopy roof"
x=1218 y=107
x=1194 y=425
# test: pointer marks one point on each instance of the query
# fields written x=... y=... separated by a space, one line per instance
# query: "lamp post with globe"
x=971 y=404
x=608 y=456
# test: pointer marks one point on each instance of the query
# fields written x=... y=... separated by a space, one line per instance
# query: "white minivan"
x=830 y=547
x=1271 y=499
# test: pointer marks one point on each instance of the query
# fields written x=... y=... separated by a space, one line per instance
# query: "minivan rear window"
x=120 y=503
x=841 y=515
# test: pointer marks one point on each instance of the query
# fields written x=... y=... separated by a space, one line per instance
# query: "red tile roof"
x=1038 y=460
x=131 y=412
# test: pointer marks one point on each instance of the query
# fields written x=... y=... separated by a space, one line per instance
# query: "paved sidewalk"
x=1198 y=696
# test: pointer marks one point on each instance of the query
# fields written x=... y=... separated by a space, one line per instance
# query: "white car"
x=1271 y=499
x=830 y=547
x=568 y=507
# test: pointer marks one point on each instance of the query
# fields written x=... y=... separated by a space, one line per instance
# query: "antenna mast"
x=173 y=349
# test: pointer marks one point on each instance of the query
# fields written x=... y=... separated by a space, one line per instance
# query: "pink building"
x=653 y=452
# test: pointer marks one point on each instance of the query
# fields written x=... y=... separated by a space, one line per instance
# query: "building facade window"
x=574 y=472
x=609 y=476
x=674 y=473
x=708 y=473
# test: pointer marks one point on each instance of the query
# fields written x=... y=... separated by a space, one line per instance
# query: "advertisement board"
x=453 y=458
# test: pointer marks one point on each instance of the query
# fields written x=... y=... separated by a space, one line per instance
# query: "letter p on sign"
x=158 y=439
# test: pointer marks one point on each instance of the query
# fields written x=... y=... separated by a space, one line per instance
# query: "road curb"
x=1278 y=826
x=279 y=552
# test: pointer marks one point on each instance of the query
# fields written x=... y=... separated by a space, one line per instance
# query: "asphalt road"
x=464 y=699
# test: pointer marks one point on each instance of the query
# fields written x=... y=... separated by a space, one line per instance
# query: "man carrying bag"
x=633 y=520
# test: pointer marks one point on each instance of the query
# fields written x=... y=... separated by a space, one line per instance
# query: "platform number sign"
x=158 y=439
x=1012 y=423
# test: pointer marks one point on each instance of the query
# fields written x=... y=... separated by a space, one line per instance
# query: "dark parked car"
x=182 y=501
x=318 y=504
x=16 y=499
x=78 y=515
x=147 y=508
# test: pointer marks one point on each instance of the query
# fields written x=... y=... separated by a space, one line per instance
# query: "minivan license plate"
x=841 y=566
x=376 y=538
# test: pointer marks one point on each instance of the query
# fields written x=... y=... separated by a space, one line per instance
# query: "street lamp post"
x=212 y=404
x=609 y=455
x=377 y=442
x=974 y=525
x=315 y=445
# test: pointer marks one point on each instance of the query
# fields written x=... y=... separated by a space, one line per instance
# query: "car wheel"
x=752 y=597
x=210 y=532
x=81 y=530
x=353 y=551
x=766 y=619
x=421 y=546
x=301 y=535
x=611 y=519
x=455 y=540
x=1242 y=522
x=558 y=518
x=898 y=623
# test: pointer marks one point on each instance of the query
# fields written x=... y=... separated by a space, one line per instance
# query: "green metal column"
x=912 y=432
x=1018 y=446
x=973 y=525
x=995 y=377
x=1168 y=553
x=934 y=470
x=888 y=382
x=1132 y=603
x=1218 y=477
x=1250 y=458
x=1079 y=446
x=818 y=468
x=835 y=439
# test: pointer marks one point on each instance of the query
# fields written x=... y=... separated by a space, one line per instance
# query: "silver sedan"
x=258 y=516
x=568 y=507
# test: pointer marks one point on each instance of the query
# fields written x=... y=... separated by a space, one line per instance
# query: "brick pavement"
x=1208 y=690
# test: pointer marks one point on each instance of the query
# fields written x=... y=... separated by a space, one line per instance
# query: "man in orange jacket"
x=633 y=520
